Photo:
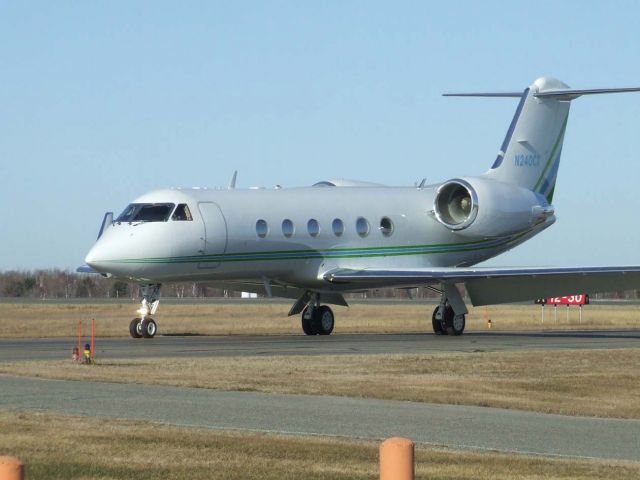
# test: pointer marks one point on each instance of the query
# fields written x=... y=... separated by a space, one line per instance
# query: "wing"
x=86 y=269
x=487 y=286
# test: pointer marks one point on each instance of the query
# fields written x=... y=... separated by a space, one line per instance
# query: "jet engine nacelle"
x=481 y=207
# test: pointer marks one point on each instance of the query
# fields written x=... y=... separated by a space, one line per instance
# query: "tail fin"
x=530 y=154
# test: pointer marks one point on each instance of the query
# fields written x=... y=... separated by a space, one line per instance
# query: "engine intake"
x=456 y=204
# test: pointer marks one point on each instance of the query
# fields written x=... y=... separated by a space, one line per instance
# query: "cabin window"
x=362 y=226
x=182 y=213
x=386 y=226
x=313 y=227
x=262 y=228
x=146 y=212
x=338 y=227
x=287 y=228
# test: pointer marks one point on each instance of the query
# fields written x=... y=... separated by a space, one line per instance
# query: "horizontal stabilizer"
x=559 y=94
x=570 y=94
x=487 y=286
x=486 y=94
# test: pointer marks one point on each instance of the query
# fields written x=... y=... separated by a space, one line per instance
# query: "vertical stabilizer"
x=530 y=154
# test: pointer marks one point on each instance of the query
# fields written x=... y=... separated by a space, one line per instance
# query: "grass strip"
x=600 y=383
x=260 y=318
x=62 y=447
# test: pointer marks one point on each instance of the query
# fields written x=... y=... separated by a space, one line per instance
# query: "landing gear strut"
x=145 y=326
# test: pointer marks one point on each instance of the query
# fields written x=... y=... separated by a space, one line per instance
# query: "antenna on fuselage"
x=232 y=183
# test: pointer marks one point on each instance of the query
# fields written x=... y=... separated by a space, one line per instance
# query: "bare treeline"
x=50 y=284
x=58 y=284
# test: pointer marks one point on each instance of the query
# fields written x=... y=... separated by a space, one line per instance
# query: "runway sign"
x=582 y=299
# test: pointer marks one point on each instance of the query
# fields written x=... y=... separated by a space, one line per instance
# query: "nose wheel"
x=135 y=328
x=143 y=327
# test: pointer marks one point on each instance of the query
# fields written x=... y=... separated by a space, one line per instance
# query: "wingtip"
x=86 y=269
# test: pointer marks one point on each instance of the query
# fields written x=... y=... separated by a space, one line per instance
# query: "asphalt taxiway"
x=444 y=425
x=337 y=344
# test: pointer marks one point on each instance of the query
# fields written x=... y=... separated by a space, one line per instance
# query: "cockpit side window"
x=128 y=213
x=146 y=212
x=182 y=213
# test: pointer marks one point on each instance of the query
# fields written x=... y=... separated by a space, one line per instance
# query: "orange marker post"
x=93 y=336
x=397 y=459
x=11 y=468
x=486 y=317
x=80 y=336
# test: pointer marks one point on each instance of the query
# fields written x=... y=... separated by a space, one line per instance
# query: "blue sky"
x=102 y=101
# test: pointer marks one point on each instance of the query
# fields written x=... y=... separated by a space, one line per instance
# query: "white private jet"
x=313 y=244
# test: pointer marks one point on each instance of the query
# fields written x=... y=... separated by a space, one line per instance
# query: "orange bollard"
x=11 y=468
x=93 y=337
x=396 y=459
x=80 y=336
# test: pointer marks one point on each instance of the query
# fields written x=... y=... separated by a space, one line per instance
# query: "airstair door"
x=215 y=234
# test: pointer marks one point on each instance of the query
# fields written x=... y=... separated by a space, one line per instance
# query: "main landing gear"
x=446 y=322
x=317 y=320
x=145 y=326
x=448 y=318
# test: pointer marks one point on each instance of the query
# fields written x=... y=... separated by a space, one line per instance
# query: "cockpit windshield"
x=146 y=212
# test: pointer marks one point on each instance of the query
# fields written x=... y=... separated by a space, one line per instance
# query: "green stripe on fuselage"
x=335 y=253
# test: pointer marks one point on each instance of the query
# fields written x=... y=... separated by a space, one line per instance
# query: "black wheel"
x=323 y=320
x=135 y=328
x=437 y=324
x=149 y=328
x=452 y=324
x=307 y=323
x=456 y=325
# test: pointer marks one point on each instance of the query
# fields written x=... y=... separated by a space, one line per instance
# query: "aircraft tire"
x=437 y=324
x=149 y=328
x=323 y=320
x=135 y=328
x=307 y=322
x=454 y=323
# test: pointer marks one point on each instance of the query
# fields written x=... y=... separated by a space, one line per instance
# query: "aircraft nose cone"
x=95 y=257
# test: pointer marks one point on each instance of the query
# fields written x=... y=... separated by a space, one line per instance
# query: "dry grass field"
x=63 y=447
x=60 y=320
x=601 y=383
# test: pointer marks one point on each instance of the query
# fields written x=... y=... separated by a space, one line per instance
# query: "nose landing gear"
x=145 y=326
